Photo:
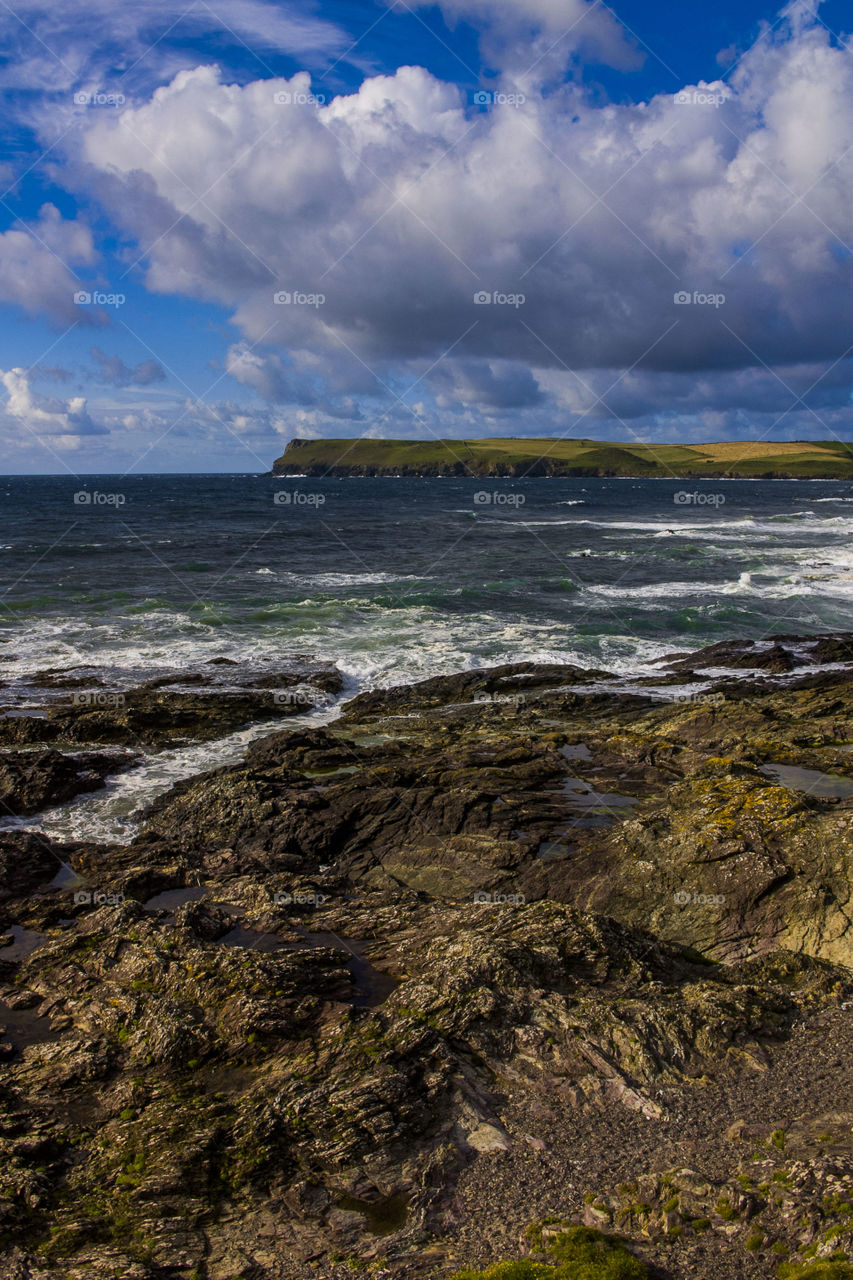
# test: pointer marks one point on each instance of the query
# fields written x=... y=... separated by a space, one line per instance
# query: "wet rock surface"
x=506 y=946
x=31 y=781
x=192 y=706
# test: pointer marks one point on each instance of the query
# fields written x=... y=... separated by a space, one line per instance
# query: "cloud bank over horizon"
x=420 y=257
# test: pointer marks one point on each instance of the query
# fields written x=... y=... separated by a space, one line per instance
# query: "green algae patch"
x=579 y=1253
x=838 y=1268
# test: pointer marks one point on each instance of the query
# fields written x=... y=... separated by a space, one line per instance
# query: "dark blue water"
x=396 y=579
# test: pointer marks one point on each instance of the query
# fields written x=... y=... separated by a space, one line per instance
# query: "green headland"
x=770 y=459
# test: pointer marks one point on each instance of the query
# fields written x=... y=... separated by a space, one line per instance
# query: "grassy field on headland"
x=819 y=459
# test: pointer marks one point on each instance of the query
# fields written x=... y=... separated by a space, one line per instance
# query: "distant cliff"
x=770 y=459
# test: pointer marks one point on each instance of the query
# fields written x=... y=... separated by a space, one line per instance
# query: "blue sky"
x=228 y=223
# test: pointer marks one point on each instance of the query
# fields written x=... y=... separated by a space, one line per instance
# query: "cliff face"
x=518 y=458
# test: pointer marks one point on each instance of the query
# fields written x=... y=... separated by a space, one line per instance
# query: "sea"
x=396 y=579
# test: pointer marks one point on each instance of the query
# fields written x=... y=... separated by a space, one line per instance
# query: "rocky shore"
x=482 y=961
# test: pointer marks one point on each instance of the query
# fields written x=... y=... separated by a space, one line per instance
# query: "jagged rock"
x=31 y=781
x=429 y=974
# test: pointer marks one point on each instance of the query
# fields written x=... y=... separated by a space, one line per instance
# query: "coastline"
x=386 y=991
x=564 y=458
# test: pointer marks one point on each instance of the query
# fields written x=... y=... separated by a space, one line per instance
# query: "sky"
x=228 y=223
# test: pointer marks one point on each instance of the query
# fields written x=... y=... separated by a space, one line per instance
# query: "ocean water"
x=392 y=580
x=399 y=579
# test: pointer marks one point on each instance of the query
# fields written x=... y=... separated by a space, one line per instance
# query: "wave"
x=350 y=579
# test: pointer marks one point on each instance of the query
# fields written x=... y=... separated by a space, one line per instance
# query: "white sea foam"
x=112 y=814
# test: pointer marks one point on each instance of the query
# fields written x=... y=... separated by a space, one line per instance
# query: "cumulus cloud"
x=491 y=385
x=281 y=382
x=37 y=264
x=116 y=373
x=693 y=240
x=63 y=422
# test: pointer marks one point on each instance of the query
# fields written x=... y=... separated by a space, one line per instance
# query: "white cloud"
x=114 y=372
x=285 y=382
x=493 y=385
x=62 y=422
x=60 y=44
x=37 y=261
x=534 y=39
x=398 y=203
